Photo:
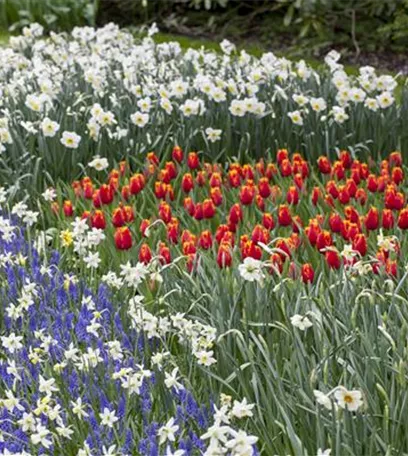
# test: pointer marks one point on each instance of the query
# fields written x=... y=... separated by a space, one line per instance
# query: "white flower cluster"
x=222 y=437
x=99 y=81
x=199 y=336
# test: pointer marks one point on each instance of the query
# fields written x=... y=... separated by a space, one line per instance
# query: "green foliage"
x=397 y=29
x=303 y=26
x=52 y=14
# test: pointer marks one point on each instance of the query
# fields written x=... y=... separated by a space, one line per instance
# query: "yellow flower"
x=69 y=280
x=66 y=238
x=42 y=406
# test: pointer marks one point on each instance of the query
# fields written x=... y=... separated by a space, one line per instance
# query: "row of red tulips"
x=294 y=203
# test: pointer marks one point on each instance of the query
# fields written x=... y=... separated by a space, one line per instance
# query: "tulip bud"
x=324 y=165
x=372 y=219
x=145 y=254
x=123 y=238
x=177 y=154
x=205 y=240
x=98 y=220
x=247 y=194
x=208 y=209
x=216 y=195
x=307 y=273
x=224 y=256
x=402 y=221
x=284 y=216
x=137 y=183
x=281 y=154
x=165 y=212
x=387 y=219
x=187 y=183
x=292 y=196
x=235 y=214
x=144 y=225
x=333 y=259
x=164 y=254
x=68 y=208
x=268 y=221
x=192 y=160
x=264 y=187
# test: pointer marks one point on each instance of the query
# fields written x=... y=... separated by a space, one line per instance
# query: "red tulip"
x=312 y=231
x=372 y=219
x=335 y=223
x=271 y=171
x=395 y=159
x=307 y=273
x=198 y=211
x=123 y=238
x=235 y=214
x=171 y=169
x=173 y=231
x=144 y=224
x=316 y=194
x=324 y=240
x=216 y=195
x=118 y=217
x=251 y=249
x=281 y=154
x=160 y=189
x=387 y=219
x=391 y=267
x=351 y=214
x=345 y=158
x=187 y=183
x=402 y=221
x=360 y=244
x=344 y=195
x=137 y=183
x=351 y=187
x=333 y=259
x=331 y=189
x=189 y=205
x=264 y=188
x=125 y=192
x=284 y=215
x=286 y=168
x=224 y=256
x=98 y=220
x=324 y=165
x=153 y=158
x=268 y=221
x=88 y=191
x=338 y=170
x=165 y=212
x=372 y=183
x=234 y=178
x=145 y=254
x=260 y=234
x=192 y=160
x=361 y=196
x=247 y=194
x=205 y=240
x=208 y=208
x=164 y=254
x=277 y=263
x=215 y=180
x=201 y=178
x=68 y=208
x=292 y=196
x=177 y=154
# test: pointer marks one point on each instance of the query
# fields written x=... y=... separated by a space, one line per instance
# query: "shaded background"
x=371 y=32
